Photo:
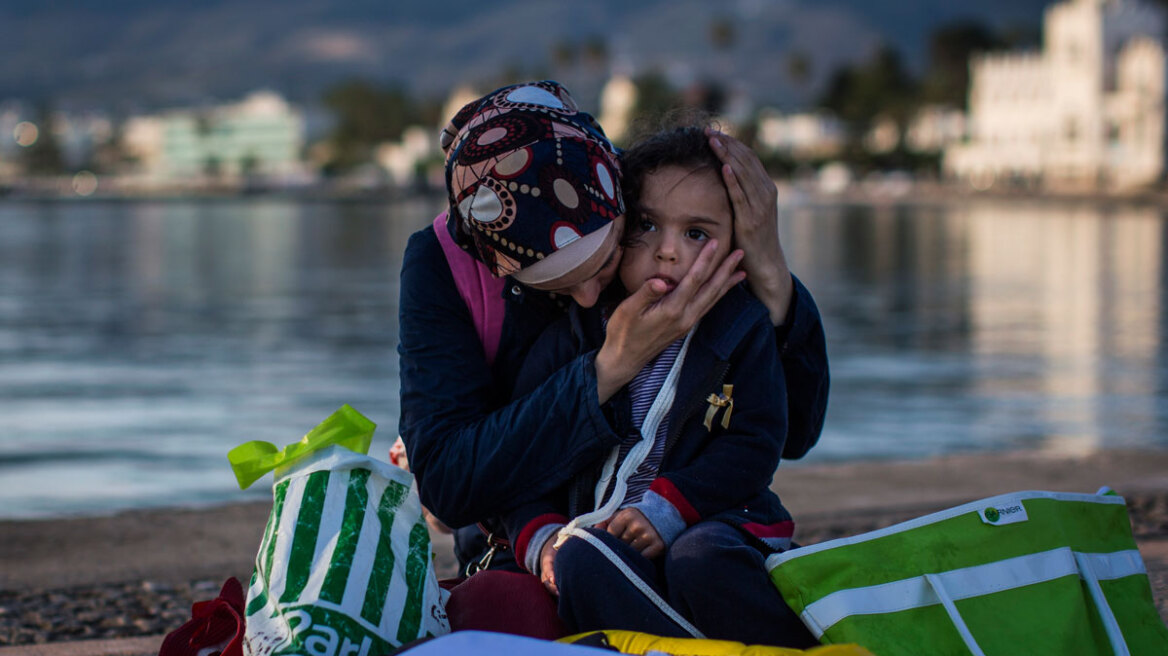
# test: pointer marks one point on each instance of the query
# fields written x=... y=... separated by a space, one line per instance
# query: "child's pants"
x=710 y=575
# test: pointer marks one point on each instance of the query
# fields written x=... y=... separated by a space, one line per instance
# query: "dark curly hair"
x=686 y=146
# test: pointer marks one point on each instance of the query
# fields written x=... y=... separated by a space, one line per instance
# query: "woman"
x=534 y=196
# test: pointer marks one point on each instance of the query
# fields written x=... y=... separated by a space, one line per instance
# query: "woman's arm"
x=472 y=458
x=756 y=230
x=798 y=327
x=803 y=353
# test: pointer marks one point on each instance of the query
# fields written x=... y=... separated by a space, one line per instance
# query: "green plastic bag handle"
x=346 y=427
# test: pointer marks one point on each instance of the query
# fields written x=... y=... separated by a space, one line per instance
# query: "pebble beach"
x=117 y=584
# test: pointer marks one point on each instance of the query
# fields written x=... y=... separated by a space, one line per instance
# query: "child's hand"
x=547 y=565
x=630 y=526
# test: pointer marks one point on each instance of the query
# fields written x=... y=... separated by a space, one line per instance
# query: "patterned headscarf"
x=529 y=175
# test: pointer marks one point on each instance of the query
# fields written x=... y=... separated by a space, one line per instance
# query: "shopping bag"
x=1025 y=573
x=345 y=566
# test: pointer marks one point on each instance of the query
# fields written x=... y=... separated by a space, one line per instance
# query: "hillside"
x=134 y=54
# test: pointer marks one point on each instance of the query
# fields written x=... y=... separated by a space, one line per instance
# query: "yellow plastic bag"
x=634 y=642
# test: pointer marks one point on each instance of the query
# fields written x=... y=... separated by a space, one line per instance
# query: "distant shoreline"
x=791 y=194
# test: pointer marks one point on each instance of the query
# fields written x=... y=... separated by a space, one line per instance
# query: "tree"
x=366 y=116
x=859 y=94
x=43 y=156
x=656 y=98
x=882 y=86
x=950 y=47
x=1018 y=36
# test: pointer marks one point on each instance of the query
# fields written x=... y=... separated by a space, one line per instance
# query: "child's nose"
x=666 y=250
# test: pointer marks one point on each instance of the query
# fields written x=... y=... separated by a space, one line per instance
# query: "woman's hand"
x=651 y=319
x=630 y=526
x=547 y=565
x=756 y=229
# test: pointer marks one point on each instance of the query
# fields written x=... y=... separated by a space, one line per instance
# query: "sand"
x=132 y=576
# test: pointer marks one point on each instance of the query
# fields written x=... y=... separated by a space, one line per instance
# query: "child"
x=688 y=508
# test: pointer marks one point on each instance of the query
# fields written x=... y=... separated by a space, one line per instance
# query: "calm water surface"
x=140 y=341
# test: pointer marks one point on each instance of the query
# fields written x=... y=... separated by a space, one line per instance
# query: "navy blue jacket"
x=721 y=472
x=476 y=453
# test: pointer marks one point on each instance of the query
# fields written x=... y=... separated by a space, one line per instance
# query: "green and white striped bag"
x=345 y=566
x=1025 y=573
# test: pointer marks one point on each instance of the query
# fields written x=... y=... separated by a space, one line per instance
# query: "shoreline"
x=134 y=574
x=792 y=193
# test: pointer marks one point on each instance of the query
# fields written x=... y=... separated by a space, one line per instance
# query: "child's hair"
x=684 y=145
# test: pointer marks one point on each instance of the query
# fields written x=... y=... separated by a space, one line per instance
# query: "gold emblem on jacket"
x=718 y=401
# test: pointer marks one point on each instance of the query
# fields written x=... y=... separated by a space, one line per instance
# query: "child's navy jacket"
x=719 y=473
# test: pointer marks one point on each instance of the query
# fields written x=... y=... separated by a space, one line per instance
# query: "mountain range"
x=132 y=55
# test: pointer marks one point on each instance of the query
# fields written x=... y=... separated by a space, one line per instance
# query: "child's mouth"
x=670 y=283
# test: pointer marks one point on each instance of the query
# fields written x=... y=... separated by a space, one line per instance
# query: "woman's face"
x=585 y=283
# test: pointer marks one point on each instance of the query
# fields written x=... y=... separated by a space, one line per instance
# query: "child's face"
x=680 y=211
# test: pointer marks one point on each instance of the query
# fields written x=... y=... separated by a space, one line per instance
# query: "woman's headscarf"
x=530 y=176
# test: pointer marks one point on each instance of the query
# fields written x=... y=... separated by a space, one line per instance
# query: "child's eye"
x=645 y=225
x=697 y=234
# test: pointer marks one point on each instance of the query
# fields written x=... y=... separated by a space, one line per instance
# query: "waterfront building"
x=11 y=115
x=405 y=160
x=142 y=145
x=810 y=135
x=1085 y=112
x=259 y=138
x=80 y=136
x=934 y=128
x=883 y=136
x=618 y=99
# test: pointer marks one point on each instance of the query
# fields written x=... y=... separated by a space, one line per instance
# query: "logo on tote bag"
x=1008 y=513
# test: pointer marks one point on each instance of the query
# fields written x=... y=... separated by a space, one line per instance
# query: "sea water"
x=141 y=340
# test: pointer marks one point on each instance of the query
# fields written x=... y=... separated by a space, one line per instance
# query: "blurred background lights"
x=84 y=183
x=25 y=133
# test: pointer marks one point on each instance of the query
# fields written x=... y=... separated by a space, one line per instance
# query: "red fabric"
x=669 y=491
x=528 y=531
x=781 y=530
x=504 y=602
x=217 y=624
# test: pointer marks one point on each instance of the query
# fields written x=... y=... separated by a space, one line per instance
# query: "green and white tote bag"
x=345 y=567
x=1025 y=573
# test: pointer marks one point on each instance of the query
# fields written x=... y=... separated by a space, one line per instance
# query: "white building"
x=618 y=99
x=1085 y=112
x=260 y=137
x=142 y=143
x=402 y=160
x=934 y=128
x=803 y=136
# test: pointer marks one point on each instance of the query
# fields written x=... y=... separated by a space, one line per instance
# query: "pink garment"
x=481 y=291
